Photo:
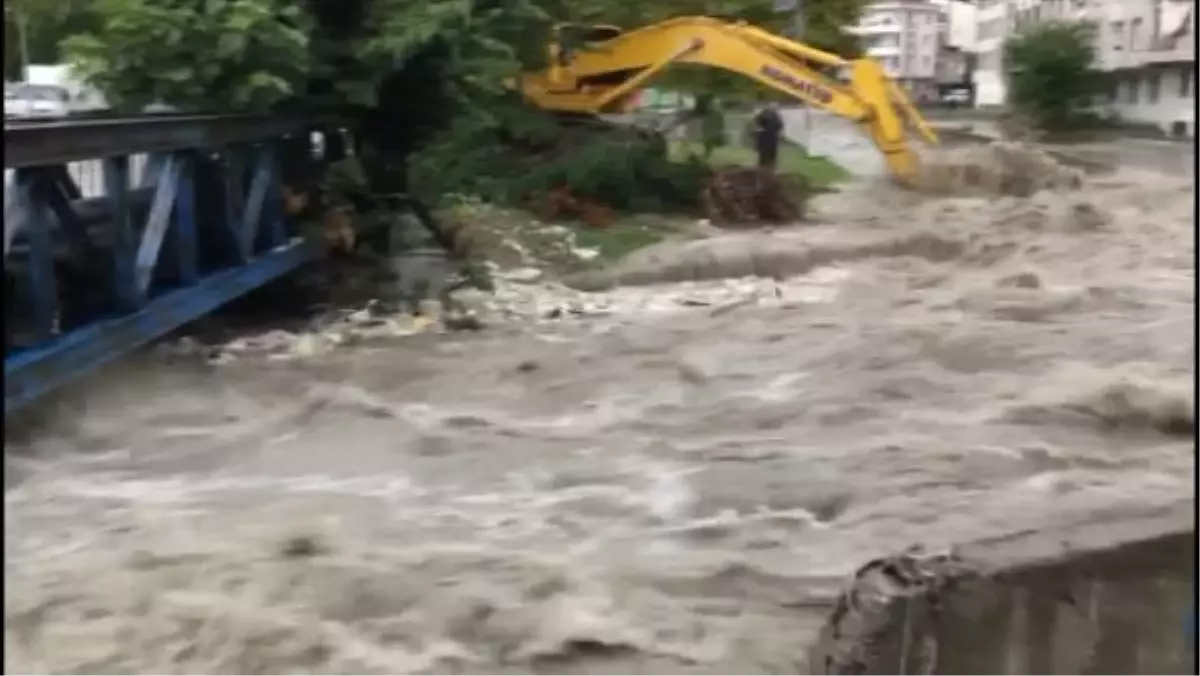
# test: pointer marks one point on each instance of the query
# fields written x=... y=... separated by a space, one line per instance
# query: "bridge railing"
x=89 y=175
x=93 y=273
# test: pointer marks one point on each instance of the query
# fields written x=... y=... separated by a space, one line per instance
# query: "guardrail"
x=89 y=278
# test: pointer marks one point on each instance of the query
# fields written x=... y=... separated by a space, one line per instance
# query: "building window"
x=1135 y=34
x=1153 y=81
x=1186 y=76
x=884 y=42
x=1118 y=35
x=1131 y=89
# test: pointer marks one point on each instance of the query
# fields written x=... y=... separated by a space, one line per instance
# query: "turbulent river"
x=677 y=484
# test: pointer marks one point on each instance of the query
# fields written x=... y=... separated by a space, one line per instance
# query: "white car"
x=36 y=101
x=956 y=97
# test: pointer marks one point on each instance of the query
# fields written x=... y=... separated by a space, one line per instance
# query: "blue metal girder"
x=32 y=373
x=158 y=254
x=42 y=286
x=48 y=142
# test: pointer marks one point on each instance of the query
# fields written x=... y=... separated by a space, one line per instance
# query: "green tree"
x=257 y=53
x=245 y=54
x=428 y=75
x=37 y=27
x=1050 y=72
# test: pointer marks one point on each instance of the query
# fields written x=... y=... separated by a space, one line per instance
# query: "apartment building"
x=904 y=36
x=1148 y=47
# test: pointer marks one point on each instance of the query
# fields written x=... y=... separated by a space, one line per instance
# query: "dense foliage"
x=238 y=54
x=519 y=156
x=1050 y=72
x=259 y=53
x=427 y=75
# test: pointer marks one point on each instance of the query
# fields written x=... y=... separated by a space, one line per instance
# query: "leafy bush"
x=510 y=154
x=1050 y=72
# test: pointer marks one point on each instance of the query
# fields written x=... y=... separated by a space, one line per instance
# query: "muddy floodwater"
x=676 y=481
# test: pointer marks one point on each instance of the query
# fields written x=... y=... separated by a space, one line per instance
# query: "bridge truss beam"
x=89 y=280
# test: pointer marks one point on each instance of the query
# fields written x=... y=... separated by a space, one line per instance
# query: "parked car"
x=36 y=101
x=956 y=97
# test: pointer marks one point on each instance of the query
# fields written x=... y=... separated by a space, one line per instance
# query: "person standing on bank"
x=768 y=131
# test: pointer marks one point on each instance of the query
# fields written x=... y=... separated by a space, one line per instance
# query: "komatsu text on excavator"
x=599 y=69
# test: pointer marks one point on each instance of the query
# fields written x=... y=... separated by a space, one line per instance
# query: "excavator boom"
x=598 y=69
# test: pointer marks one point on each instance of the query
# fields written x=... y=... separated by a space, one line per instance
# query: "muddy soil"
x=676 y=478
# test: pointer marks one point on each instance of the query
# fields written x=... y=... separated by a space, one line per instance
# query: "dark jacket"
x=768 y=126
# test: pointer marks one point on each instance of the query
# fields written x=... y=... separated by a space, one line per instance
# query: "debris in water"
x=740 y=196
x=302 y=547
x=1002 y=168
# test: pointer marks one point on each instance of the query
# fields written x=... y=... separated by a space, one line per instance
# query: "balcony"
x=876 y=29
x=879 y=51
x=1181 y=50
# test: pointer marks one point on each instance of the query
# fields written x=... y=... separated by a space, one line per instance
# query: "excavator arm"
x=603 y=68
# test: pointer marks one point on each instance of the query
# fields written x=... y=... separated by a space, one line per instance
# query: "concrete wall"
x=836 y=138
x=1163 y=96
x=1108 y=597
x=992 y=29
x=961 y=23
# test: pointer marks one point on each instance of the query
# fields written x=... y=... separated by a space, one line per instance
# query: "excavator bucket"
x=1102 y=597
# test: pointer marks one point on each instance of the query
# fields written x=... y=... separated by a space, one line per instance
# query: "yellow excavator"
x=595 y=69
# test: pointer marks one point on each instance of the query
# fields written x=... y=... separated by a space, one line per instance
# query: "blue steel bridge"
x=119 y=230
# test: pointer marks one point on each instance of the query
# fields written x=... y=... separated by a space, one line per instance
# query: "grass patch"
x=821 y=172
x=617 y=240
x=491 y=229
x=631 y=232
x=627 y=235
